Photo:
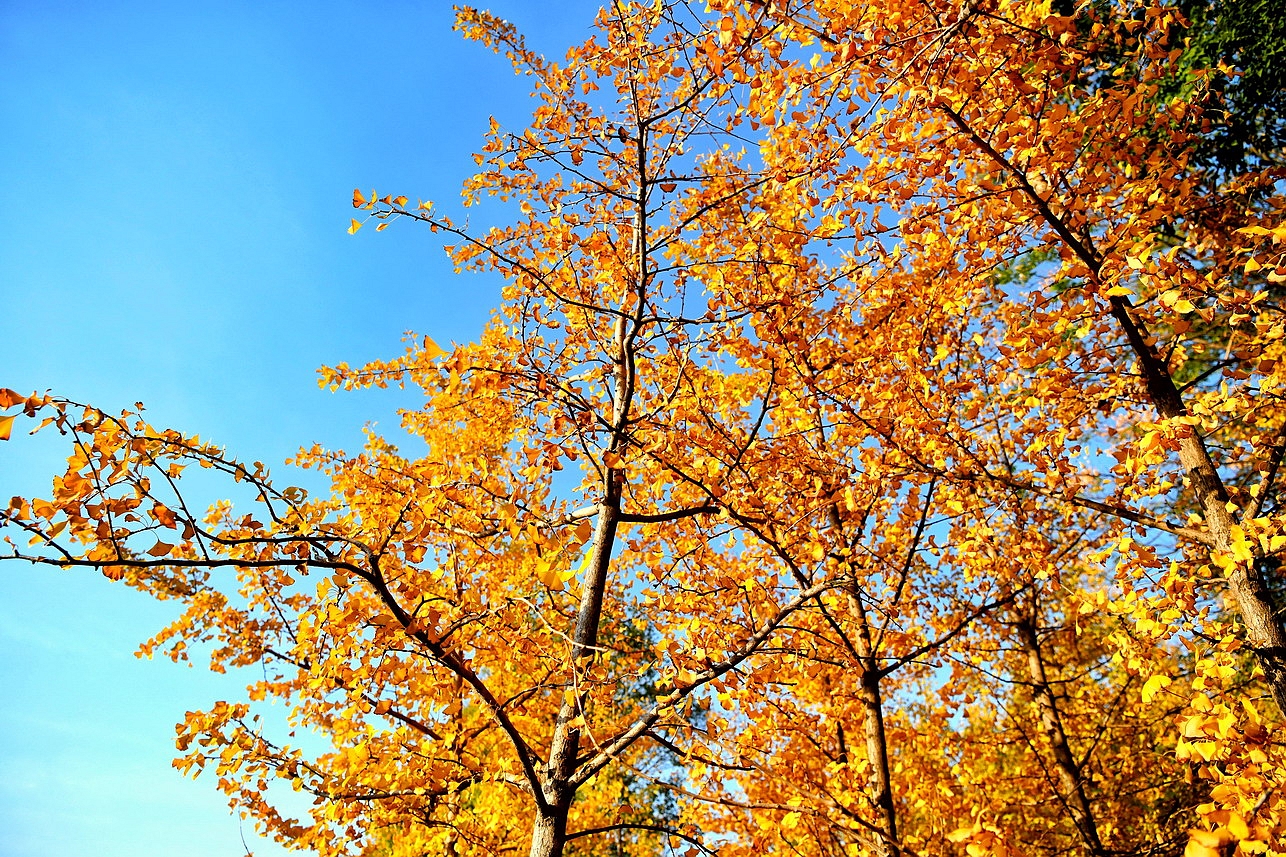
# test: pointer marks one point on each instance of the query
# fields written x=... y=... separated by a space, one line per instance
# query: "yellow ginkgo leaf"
x=547 y=576
x=1154 y=685
x=431 y=349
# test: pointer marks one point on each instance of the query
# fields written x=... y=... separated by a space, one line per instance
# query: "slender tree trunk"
x=877 y=746
x=1254 y=601
x=550 y=830
x=1070 y=775
x=549 y=833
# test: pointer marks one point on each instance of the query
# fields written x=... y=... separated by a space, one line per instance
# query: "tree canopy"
x=876 y=450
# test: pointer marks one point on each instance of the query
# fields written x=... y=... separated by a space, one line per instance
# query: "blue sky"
x=175 y=182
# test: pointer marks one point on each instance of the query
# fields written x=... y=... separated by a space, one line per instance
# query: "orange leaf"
x=9 y=398
x=358 y=199
x=6 y=426
x=353 y=227
x=163 y=515
x=160 y=549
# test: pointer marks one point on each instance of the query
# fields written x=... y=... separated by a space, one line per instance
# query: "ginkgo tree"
x=488 y=642
x=988 y=133
x=772 y=511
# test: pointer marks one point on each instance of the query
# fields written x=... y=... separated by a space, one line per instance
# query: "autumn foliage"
x=876 y=449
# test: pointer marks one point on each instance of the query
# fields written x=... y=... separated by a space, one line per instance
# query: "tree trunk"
x=1070 y=775
x=877 y=747
x=1254 y=602
x=549 y=833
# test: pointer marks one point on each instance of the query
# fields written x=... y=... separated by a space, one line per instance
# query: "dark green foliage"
x=1247 y=107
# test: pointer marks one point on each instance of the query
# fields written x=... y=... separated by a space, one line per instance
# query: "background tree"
x=986 y=158
x=1238 y=51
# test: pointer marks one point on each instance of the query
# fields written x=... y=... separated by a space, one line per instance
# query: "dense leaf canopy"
x=876 y=450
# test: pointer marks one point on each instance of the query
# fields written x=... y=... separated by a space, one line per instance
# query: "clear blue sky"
x=175 y=181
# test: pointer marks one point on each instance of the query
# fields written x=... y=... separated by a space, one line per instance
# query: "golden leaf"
x=1154 y=685
x=431 y=349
